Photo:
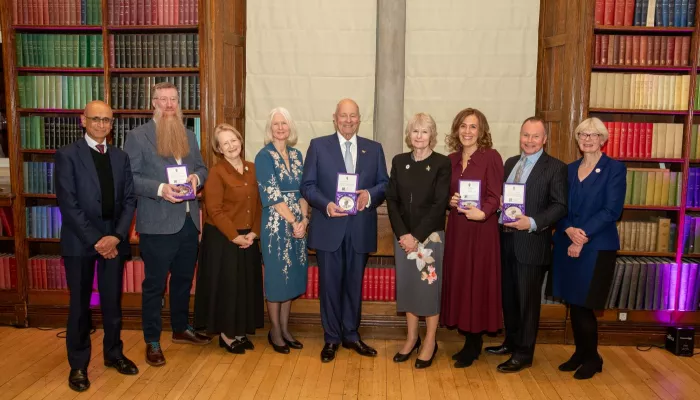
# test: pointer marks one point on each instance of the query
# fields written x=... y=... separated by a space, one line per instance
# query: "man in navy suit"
x=95 y=192
x=343 y=242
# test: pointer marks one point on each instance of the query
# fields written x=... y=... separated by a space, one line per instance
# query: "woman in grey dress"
x=417 y=197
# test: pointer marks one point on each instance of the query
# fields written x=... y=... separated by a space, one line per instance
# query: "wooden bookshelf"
x=154 y=70
x=58 y=28
x=645 y=253
x=63 y=70
x=150 y=112
x=39 y=196
x=153 y=28
x=636 y=30
x=37 y=151
x=626 y=111
x=651 y=208
x=640 y=68
x=651 y=160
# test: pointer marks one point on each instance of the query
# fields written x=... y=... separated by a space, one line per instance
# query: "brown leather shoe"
x=189 y=336
x=154 y=354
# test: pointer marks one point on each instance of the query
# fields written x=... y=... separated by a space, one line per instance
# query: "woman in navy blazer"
x=586 y=242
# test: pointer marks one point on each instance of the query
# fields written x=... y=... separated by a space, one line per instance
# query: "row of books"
x=122 y=126
x=59 y=91
x=693 y=190
x=694 y=152
x=654 y=236
x=134 y=92
x=653 y=187
x=39 y=177
x=641 y=50
x=39 y=132
x=639 y=91
x=47 y=272
x=650 y=283
x=6 y=222
x=666 y=13
x=54 y=50
x=43 y=222
x=134 y=274
x=8 y=272
x=643 y=140
x=153 y=12
x=691 y=234
x=696 y=106
x=154 y=50
x=57 y=12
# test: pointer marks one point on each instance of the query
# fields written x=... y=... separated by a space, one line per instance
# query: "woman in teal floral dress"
x=278 y=168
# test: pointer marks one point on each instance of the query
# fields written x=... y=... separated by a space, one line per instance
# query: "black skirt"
x=229 y=295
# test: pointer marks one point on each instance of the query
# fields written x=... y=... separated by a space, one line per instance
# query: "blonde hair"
x=593 y=125
x=292 y=138
x=223 y=127
x=421 y=120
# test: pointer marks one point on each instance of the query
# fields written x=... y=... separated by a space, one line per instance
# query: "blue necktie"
x=521 y=168
x=349 y=168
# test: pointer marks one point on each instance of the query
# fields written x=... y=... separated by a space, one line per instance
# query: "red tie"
x=100 y=148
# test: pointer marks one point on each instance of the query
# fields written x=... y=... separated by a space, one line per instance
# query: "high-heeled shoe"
x=294 y=344
x=284 y=349
x=572 y=364
x=400 y=357
x=420 y=364
x=588 y=369
x=236 y=347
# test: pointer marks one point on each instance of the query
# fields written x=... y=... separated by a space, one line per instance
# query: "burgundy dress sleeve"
x=494 y=183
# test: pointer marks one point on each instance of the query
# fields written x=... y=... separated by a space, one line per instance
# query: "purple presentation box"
x=513 y=201
x=469 y=193
x=177 y=175
x=345 y=196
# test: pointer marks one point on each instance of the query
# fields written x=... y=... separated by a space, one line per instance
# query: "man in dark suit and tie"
x=95 y=192
x=343 y=241
x=526 y=244
x=167 y=224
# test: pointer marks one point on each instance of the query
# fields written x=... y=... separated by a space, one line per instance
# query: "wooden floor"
x=33 y=366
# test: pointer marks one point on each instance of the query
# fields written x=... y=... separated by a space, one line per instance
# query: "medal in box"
x=469 y=193
x=345 y=196
x=177 y=175
x=513 y=201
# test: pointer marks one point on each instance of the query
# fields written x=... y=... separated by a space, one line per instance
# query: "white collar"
x=342 y=140
x=93 y=144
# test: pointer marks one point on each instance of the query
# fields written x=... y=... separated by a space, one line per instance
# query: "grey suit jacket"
x=155 y=215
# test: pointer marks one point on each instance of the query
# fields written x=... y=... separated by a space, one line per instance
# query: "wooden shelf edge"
x=630 y=111
x=153 y=69
x=43 y=240
x=38 y=196
x=57 y=27
x=642 y=68
x=645 y=253
x=37 y=151
x=150 y=112
x=651 y=208
x=642 y=29
x=152 y=27
x=50 y=110
x=651 y=160
x=85 y=70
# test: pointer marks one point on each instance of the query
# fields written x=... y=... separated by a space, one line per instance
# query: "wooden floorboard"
x=34 y=366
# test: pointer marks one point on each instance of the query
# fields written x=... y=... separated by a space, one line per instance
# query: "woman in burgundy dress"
x=471 y=294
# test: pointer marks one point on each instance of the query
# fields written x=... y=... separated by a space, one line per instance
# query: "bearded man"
x=168 y=224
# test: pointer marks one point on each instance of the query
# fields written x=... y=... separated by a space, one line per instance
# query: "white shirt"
x=93 y=144
x=353 y=147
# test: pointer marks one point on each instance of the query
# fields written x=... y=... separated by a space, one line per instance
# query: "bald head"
x=347 y=118
x=97 y=120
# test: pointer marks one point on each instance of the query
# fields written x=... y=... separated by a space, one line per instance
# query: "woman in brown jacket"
x=229 y=298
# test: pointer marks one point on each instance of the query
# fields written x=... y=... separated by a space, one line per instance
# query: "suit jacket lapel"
x=597 y=171
x=116 y=172
x=88 y=163
x=337 y=155
x=361 y=155
x=537 y=169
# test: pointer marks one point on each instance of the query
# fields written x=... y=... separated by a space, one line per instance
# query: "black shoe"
x=572 y=364
x=284 y=349
x=236 y=346
x=400 y=357
x=247 y=344
x=513 y=365
x=588 y=369
x=460 y=354
x=420 y=364
x=294 y=344
x=328 y=352
x=360 y=348
x=464 y=362
x=123 y=365
x=499 y=350
x=78 y=380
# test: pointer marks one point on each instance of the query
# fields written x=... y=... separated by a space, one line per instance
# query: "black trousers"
x=521 y=290
x=177 y=254
x=80 y=273
x=585 y=327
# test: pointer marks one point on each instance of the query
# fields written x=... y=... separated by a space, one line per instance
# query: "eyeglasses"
x=587 y=136
x=166 y=99
x=97 y=120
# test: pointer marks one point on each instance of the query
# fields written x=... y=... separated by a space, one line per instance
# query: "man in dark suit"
x=526 y=244
x=95 y=192
x=343 y=241
x=168 y=225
